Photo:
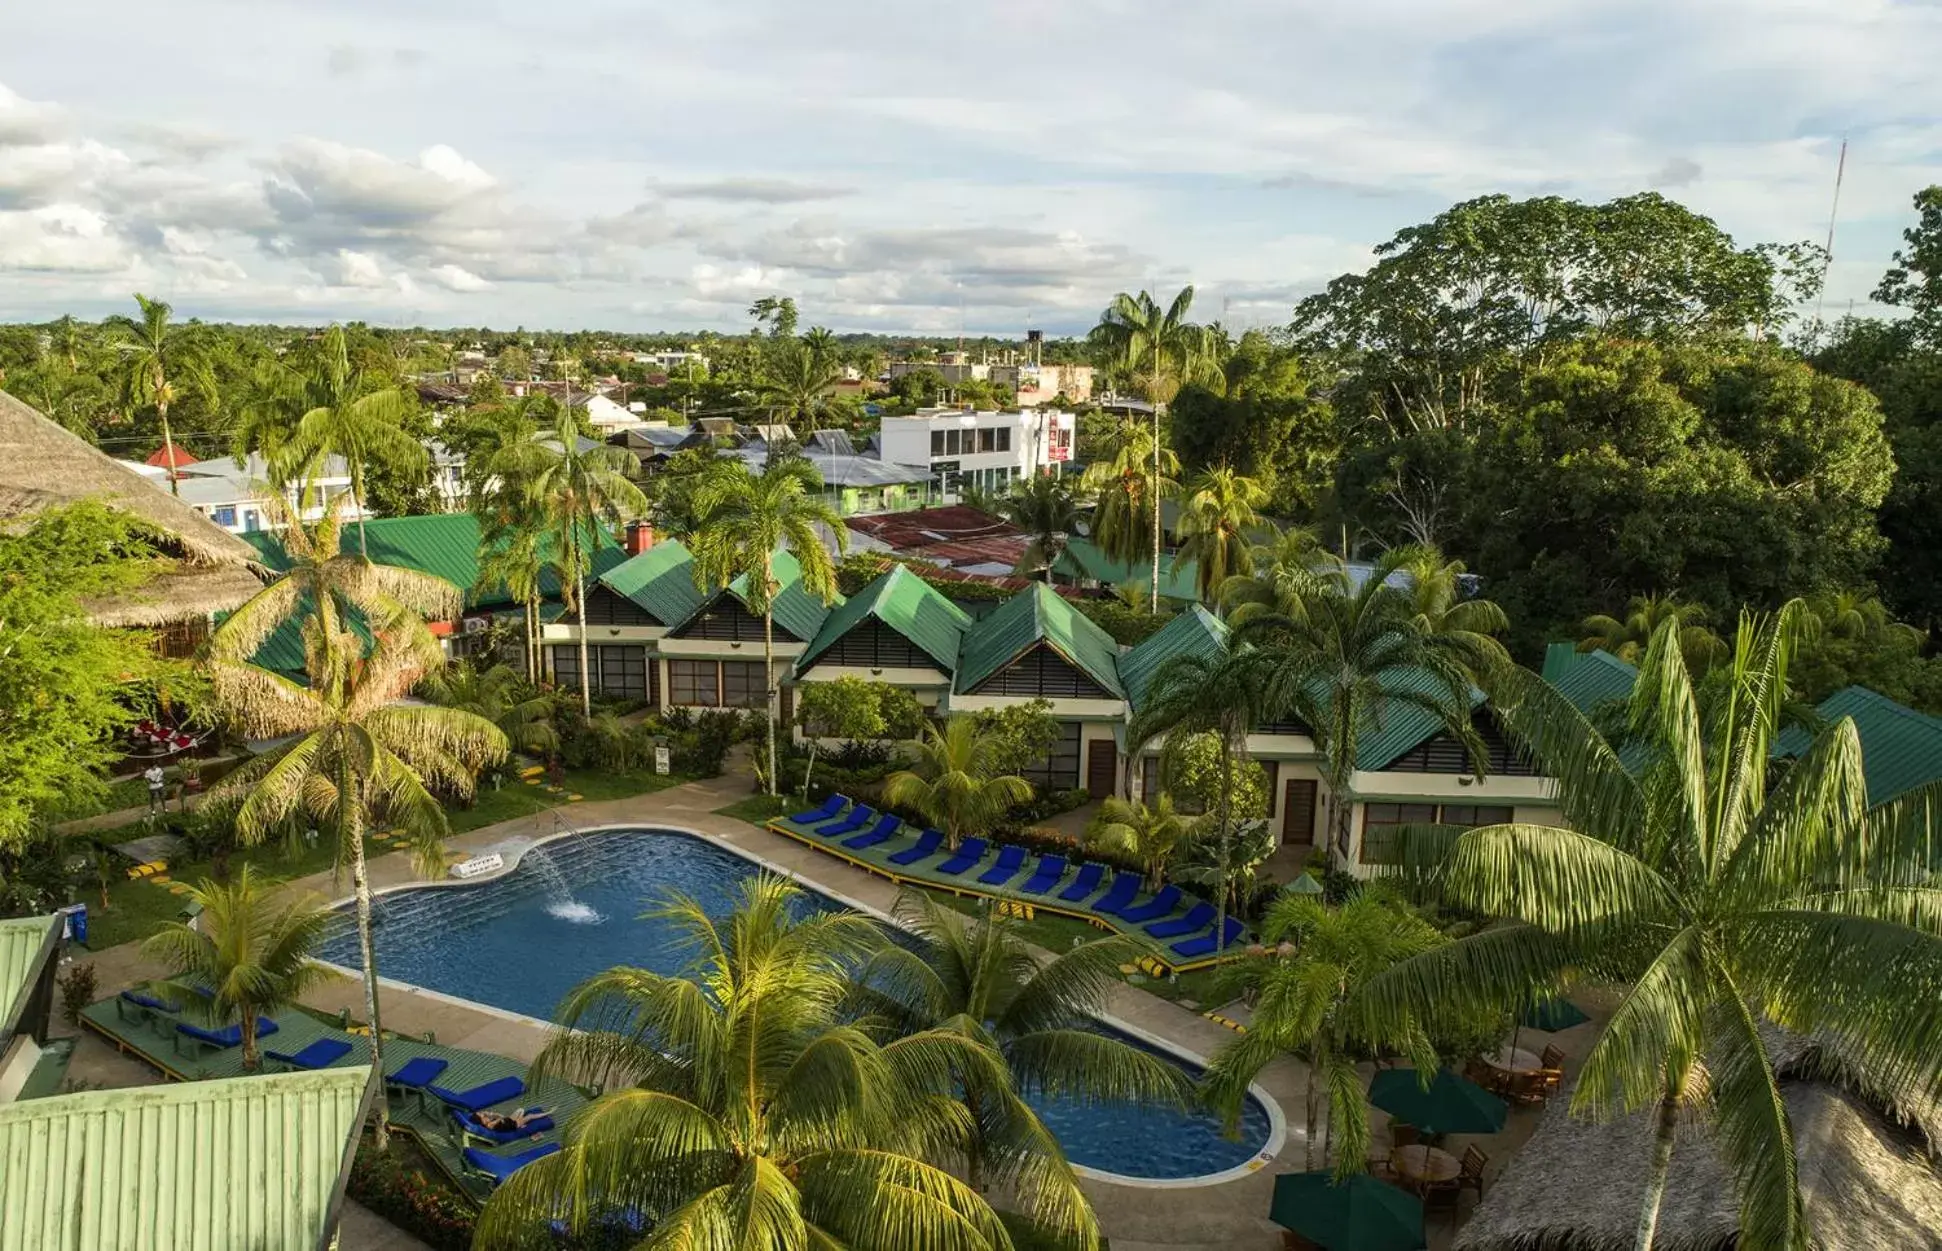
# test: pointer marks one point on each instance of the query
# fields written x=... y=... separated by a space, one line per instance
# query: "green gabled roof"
x=795 y=609
x=1032 y=617
x=25 y=942
x=1395 y=728
x=1195 y=632
x=907 y=604
x=1587 y=679
x=1082 y=558
x=1901 y=749
x=661 y=580
x=246 y=1162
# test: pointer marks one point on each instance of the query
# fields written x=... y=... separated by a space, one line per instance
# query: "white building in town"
x=234 y=497
x=985 y=451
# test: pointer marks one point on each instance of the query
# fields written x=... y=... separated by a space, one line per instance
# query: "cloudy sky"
x=896 y=166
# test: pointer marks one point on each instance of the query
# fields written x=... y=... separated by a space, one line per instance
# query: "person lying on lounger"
x=508 y=1122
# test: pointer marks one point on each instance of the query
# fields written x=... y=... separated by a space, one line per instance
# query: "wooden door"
x=1298 y=812
x=1102 y=768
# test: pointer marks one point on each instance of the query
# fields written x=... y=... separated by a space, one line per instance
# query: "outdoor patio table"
x=1508 y=1059
x=1421 y=1166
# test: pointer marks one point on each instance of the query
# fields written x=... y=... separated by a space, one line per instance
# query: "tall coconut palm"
x=514 y=559
x=744 y=519
x=582 y=492
x=746 y=1109
x=355 y=755
x=1219 y=510
x=1307 y=980
x=247 y=956
x=159 y=361
x=1169 y=350
x=956 y=783
x=1127 y=481
x=344 y=413
x=1288 y=570
x=1436 y=590
x=1044 y=507
x=978 y=979
x=1353 y=657
x=796 y=379
x=1150 y=833
x=1627 y=639
x=1716 y=891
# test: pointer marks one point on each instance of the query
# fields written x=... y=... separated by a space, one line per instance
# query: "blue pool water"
x=572 y=909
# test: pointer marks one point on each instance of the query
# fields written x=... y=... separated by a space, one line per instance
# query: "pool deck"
x=1231 y=1215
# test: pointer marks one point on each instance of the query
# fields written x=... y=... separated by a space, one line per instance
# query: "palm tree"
x=1219 y=510
x=976 y=978
x=245 y=957
x=1129 y=478
x=1149 y=833
x=1717 y=891
x=345 y=414
x=497 y=694
x=1140 y=335
x=1436 y=591
x=157 y=358
x=1861 y=617
x=581 y=492
x=1288 y=571
x=514 y=558
x=1644 y=614
x=512 y=423
x=356 y=755
x=956 y=784
x=1227 y=864
x=1307 y=982
x=796 y=379
x=1350 y=658
x=746 y=1109
x=1043 y=507
x=743 y=520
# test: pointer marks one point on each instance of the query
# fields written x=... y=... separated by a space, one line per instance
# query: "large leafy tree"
x=747 y=1109
x=744 y=520
x=978 y=979
x=1044 y=507
x=159 y=360
x=582 y=491
x=355 y=754
x=957 y=781
x=247 y=955
x=1718 y=893
x=1217 y=515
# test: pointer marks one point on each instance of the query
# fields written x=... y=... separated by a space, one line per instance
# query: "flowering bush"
x=397 y=1186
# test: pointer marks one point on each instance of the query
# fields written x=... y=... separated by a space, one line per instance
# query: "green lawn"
x=760 y=809
x=516 y=799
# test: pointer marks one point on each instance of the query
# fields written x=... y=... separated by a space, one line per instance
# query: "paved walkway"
x=1230 y=1216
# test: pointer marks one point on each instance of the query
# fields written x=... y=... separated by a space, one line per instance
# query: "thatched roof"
x=1576 y=1186
x=43 y=466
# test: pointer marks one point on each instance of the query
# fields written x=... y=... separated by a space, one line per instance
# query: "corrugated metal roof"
x=1082 y=558
x=24 y=941
x=1195 y=632
x=248 y=1162
x=1395 y=728
x=795 y=609
x=1901 y=748
x=661 y=580
x=925 y=527
x=907 y=604
x=1587 y=679
x=1038 y=615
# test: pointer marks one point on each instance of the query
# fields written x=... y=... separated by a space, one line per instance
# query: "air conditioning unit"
x=477 y=625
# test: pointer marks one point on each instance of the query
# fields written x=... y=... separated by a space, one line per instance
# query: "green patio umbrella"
x=1451 y=1104
x=1305 y=885
x=1551 y=1014
x=1361 y=1214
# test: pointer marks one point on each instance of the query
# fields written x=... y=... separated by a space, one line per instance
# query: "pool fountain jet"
x=562 y=904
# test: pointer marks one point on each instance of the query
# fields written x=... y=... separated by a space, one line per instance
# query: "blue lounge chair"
x=1124 y=889
x=1195 y=948
x=497 y=1090
x=320 y=1054
x=417 y=1074
x=146 y=1006
x=831 y=806
x=856 y=819
x=221 y=1039
x=1005 y=868
x=1153 y=909
x=926 y=844
x=1050 y=870
x=881 y=832
x=500 y=1167
x=969 y=852
x=1085 y=884
x=1198 y=918
x=469 y=1127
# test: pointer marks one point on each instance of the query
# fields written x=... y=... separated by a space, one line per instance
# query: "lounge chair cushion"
x=500 y=1167
x=1198 y=918
x=481 y=1096
x=969 y=852
x=854 y=820
x=1050 y=870
x=320 y=1054
x=1125 y=888
x=831 y=806
x=150 y=1002
x=228 y=1035
x=1005 y=868
x=468 y=1122
x=418 y=1072
x=878 y=833
x=925 y=846
x=1153 y=909
x=1085 y=884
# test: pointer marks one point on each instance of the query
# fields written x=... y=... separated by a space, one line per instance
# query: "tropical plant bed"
x=405 y=1187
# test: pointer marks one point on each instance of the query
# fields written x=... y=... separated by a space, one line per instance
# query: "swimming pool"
x=571 y=909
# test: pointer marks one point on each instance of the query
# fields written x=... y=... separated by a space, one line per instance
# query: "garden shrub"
x=78 y=987
x=389 y=1184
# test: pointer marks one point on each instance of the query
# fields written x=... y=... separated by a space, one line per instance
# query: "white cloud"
x=358 y=269
x=458 y=278
x=60 y=238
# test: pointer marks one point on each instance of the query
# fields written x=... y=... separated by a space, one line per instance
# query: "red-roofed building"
x=171 y=456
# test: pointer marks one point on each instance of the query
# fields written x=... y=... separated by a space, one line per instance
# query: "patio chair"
x=881 y=832
x=1473 y=1164
x=1050 y=870
x=857 y=818
x=1125 y=888
x=414 y=1075
x=1086 y=883
x=1207 y=944
x=1552 y=1058
x=1010 y=860
x=1528 y=1090
x=498 y=1168
x=926 y=845
x=1153 y=909
x=969 y=852
x=831 y=806
x=1198 y=918
x=218 y=1039
x=1401 y=1135
x=470 y=1128
x=320 y=1054
x=146 y=1006
x=483 y=1095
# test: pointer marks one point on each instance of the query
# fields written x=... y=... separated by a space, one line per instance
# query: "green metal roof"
x=1082 y=558
x=907 y=604
x=24 y=944
x=1031 y=617
x=247 y=1162
x=1395 y=728
x=1195 y=632
x=1587 y=679
x=795 y=609
x=661 y=580
x=1901 y=748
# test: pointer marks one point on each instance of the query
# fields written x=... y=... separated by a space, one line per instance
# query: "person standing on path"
x=154 y=776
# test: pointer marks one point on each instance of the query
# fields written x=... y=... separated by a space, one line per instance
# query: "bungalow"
x=899 y=630
x=27 y=950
